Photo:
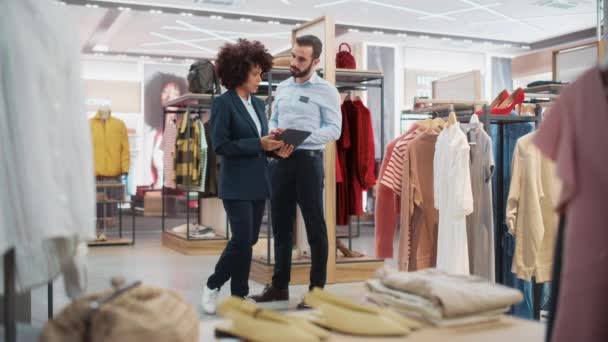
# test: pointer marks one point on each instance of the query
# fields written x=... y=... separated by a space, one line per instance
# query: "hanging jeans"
x=511 y=133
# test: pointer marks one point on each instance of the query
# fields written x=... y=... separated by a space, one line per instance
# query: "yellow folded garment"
x=345 y=316
x=255 y=324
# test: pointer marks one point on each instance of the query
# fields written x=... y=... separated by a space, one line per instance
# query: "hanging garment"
x=342 y=189
x=424 y=216
x=510 y=134
x=531 y=217
x=169 y=138
x=387 y=205
x=573 y=134
x=360 y=157
x=47 y=202
x=213 y=165
x=365 y=147
x=393 y=175
x=453 y=199
x=110 y=146
x=204 y=158
x=480 y=224
x=187 y=153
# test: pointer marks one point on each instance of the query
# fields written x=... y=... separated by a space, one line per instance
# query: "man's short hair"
x=312 y=41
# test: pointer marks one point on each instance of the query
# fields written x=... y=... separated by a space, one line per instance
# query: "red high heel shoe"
x=516 y=98
x=502 y=96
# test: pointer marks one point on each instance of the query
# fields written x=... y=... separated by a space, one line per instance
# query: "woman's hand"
x=285 y=151
x=269 y=143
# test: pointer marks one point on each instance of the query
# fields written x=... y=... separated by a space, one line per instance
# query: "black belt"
x=310 y=153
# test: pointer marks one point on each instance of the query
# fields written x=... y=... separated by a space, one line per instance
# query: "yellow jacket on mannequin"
x=110 y=146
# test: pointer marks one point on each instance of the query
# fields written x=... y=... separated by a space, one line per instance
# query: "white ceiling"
x=137 y=32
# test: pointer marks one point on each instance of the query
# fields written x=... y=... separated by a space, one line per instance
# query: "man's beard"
x=301 y=73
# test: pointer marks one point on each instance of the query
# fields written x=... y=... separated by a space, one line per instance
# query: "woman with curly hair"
x=239 y=133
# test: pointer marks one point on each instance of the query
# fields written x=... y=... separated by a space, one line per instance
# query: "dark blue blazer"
x=243 y=165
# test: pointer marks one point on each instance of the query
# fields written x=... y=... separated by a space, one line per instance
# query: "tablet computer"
x=293 y=137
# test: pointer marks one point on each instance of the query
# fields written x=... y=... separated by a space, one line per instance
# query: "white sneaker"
x=209 y=300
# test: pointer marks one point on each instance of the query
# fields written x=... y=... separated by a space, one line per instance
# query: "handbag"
x=345 y=59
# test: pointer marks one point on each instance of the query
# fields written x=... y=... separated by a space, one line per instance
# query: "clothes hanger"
x=438 y=123
x=424 y=125
x=452 y=119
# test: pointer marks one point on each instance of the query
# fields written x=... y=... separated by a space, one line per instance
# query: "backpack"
x=202 y=78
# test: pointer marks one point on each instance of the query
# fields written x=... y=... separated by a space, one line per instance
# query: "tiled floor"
x=155 y=265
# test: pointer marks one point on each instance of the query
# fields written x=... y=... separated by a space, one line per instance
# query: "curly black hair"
x=234 y=61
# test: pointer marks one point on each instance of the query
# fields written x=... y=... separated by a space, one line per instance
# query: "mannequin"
x=111 y=152
x=105 y=112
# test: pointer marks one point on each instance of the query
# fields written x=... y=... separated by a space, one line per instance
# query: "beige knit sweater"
x=531 y=216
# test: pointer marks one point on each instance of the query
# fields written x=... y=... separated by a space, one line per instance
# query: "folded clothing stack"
x=441 y=299
x=197 y=231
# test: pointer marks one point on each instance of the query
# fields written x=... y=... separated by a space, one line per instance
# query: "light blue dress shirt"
x=313 y=106
x=252 y=113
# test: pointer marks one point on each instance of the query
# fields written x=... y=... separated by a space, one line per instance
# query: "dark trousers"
x=245 y=219
x=298 y=180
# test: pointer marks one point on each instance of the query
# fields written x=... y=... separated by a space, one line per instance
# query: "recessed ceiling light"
x=353 y=30
x=525 y=47
x=61 y=3
x=401 y=34
x=468 y=41
x=98 y=54
x=446 y=38
x=185 y=14
x=378 y=32
x=488 y=43
x=298 y=25
x=216 y=17
x=424 y=36
x=144 y=57
x=101 y=48
x=91 y=5
x=272 y=22
x=246 y=20
x=167 y=58
x=123 y=56
x=156 y=11
x=507 y=45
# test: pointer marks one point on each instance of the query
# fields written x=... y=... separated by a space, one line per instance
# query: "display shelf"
x=279 y=74
x=348 y=270
x=546 y=89
x=193 y=247
x=183 y=236
x=111 y=242
x=189 y=99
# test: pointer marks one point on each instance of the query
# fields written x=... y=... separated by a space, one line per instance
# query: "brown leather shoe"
x=271 y=294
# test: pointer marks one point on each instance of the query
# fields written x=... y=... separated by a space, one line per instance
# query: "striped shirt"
x=393 y=175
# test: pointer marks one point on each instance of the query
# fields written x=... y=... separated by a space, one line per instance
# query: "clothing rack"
x=9 y=302
x=193 y=104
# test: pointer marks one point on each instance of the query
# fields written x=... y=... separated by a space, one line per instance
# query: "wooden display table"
x=507 y=329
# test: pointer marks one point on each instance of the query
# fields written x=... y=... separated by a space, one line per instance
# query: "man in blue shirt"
x=304 y=102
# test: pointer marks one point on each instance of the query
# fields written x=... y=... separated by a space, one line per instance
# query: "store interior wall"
x=382 y=58
x=426 y=65
x=501 y=75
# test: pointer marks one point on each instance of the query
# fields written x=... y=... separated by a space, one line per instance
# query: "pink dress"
x=575 y=134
